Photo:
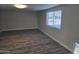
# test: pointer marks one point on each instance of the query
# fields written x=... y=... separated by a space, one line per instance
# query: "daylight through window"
x=54 y=19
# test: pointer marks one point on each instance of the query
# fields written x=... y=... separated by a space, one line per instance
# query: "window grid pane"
x=54 y=19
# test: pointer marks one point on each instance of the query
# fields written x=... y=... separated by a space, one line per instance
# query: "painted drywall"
x=68 y=35
x=18 y=20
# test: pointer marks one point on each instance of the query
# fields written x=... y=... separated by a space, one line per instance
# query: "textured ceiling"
x=31 y=7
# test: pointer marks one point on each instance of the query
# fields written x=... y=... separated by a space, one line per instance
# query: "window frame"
x=54 y=26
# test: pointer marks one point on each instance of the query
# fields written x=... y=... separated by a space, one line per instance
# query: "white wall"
x=69 y=33
x=17 y=20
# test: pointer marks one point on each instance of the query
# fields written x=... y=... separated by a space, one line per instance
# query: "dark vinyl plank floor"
x=29 y=42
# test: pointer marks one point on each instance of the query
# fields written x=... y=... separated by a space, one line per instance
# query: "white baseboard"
x=17 y=29
x=56 y=40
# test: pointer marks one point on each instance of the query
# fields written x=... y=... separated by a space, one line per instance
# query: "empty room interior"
x=39 y=28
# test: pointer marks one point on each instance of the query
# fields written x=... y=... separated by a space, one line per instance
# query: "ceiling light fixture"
x=21 y=6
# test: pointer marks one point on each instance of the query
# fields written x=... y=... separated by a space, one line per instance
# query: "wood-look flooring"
x=29 y=42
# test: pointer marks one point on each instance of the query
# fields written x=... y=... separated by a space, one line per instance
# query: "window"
x=54 y=19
